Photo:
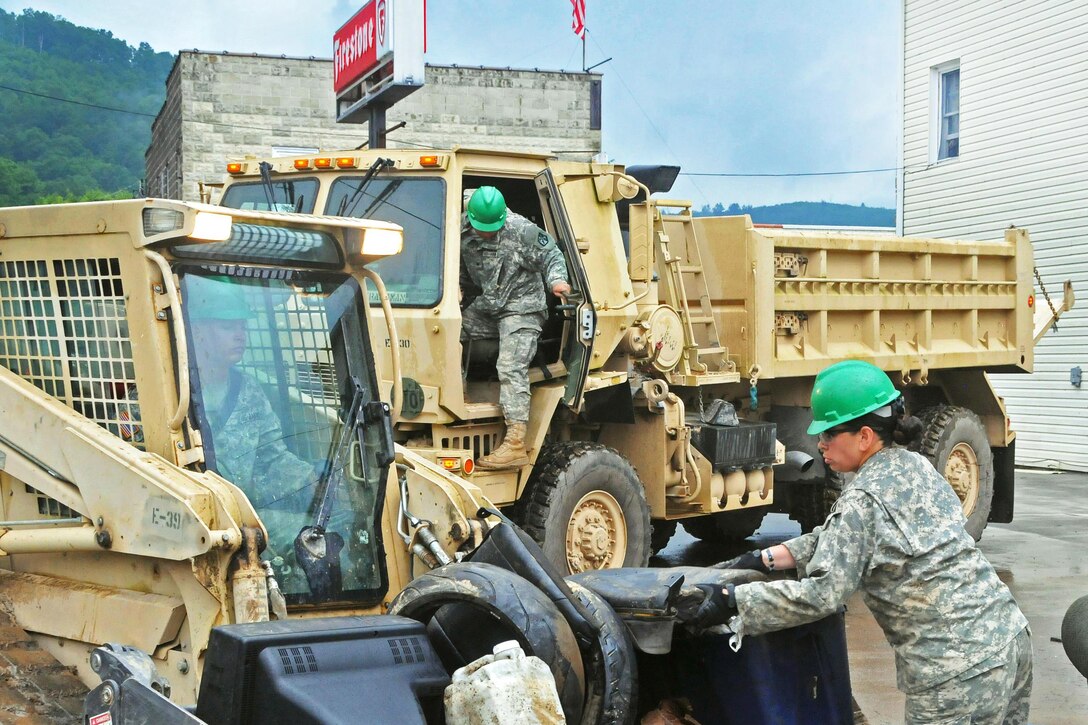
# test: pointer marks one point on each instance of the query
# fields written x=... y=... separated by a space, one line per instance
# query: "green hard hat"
x=215 y=298
x=848 y=390
x=487 y=209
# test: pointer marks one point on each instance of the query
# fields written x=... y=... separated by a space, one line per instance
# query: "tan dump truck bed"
x=904 y=303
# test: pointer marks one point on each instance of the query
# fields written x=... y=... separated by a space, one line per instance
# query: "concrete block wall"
x=223 y=106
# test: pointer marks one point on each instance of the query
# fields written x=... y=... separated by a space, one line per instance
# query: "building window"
x=947 y=120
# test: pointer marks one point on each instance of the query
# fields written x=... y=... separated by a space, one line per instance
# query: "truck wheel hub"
x=962 y=473
x=596 y=533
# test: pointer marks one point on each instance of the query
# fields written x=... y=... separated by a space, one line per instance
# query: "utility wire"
x=715 y=174
x=800 y=173
x=77 y=103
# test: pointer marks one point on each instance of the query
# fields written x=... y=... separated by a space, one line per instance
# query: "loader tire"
x=470 y=607
x=955 y=442
x=611 y=681
x=725 y=527
x=586 y=507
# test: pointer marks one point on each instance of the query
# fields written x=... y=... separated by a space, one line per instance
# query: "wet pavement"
x=1040 y=555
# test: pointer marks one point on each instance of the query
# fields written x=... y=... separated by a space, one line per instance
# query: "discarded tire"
x=955 y=441
x=586 y=507
x=611 y=678
x=470 y=607
x=1075 y=634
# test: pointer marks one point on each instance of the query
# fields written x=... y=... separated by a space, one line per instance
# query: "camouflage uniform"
x=897 y=534
x=514 y=272
x=248 y=444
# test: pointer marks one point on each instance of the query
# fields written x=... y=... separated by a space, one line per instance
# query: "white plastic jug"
x=504 y=688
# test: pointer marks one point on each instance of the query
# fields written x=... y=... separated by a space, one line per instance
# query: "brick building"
x=221 y=106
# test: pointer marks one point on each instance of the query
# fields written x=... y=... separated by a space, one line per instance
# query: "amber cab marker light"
x=302 y=164
x=428 y=160
x=1031 y=300
x=450 y=464
x=234 y=168
x=345 y=162
x=323 y=163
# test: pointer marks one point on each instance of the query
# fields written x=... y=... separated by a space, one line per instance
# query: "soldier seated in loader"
x=246 y=436
x=513 y=263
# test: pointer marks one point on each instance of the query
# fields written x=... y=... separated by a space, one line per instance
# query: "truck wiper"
x=348 y=204
x=317 y=549
x=266 y=182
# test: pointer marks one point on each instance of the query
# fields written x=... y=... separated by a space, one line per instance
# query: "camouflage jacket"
x=247 y=441
x=897 y=534
x=512 y=269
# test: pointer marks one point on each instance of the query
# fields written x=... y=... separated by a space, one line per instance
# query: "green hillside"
x=812 y=213
x=76 y=148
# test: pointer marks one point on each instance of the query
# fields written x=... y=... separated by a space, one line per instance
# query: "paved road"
x=1041 y=556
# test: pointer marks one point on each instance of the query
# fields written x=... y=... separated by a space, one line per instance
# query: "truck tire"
x=611 y=683
x=662 y=533
x=955 y=441
x=811 y=505
x=478 y=605
x=586 y=507
x=726 y=526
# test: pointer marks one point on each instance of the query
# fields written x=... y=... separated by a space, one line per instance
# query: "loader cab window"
x=413 y=278
x=291 y=195
x=280 y=368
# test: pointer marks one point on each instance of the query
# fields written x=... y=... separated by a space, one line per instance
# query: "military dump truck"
x=673 y=383
x=146 y=501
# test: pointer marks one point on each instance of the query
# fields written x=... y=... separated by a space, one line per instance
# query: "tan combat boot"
x=511 y=454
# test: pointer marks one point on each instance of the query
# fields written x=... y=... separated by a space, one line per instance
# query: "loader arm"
x=127 y=500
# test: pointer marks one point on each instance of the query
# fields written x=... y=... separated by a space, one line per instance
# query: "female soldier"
x=962 y=646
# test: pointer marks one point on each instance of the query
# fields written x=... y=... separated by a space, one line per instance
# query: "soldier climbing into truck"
x=504 y=259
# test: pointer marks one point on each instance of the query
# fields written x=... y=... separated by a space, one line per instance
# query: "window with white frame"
x=946 y=86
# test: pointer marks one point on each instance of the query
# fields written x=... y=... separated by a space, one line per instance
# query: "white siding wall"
x=1024 y=161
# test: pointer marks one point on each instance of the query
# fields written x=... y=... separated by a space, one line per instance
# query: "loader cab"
x=285 y=397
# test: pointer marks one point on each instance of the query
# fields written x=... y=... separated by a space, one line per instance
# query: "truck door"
x=581 y=317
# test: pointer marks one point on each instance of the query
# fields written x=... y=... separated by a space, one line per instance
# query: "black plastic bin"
x=798 y=675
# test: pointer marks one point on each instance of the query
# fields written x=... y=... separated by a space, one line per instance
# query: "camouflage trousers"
x=517 y=335
x=997 y=691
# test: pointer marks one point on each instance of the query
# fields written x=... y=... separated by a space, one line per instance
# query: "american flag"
x=578 y=23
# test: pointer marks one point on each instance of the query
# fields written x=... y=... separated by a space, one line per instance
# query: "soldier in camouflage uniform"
x=510 y=261
x=962 y=645
x=245 y=433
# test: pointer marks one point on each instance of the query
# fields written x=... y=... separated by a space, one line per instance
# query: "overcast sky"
x=717 y=86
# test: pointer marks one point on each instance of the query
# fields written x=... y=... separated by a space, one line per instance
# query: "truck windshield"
x=413 y=277
x=277 y=367
x=297 y=195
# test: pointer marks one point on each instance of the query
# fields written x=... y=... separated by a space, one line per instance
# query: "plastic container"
x=501 y=688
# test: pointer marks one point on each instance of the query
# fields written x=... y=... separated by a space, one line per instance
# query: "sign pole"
x=376 y=125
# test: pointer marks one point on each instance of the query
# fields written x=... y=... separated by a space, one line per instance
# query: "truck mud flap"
x=1001 y=509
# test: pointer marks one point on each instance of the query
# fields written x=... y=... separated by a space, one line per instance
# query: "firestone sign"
x=360 y=44
x=378 y=57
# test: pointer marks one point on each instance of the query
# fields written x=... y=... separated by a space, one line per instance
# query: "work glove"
x=718 y=607
x=752 y=560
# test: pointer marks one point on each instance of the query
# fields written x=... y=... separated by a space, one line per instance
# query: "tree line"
x=91 y=144
x=813 y=213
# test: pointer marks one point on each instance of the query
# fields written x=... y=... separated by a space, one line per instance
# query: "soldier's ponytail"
x=898 y=428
